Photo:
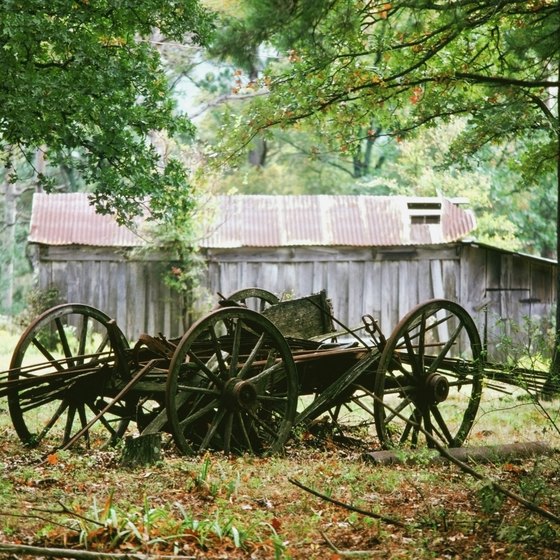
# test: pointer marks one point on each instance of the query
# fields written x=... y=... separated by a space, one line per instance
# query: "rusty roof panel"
x=270 y=221
x=69 y=219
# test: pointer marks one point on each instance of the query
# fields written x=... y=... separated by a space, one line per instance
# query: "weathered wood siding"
x=128 y=289
x=499 y=289
x=383 y=283
x=508 y=295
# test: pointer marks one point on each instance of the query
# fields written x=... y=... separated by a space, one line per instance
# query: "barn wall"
x=508 y=295
x=128 y=289
x=383 y=283
x=499 y=289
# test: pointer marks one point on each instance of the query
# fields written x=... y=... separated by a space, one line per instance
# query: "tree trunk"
x=554 y=377
x=8 y=243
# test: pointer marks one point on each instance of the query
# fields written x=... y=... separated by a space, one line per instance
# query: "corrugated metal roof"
x=270 y=221
x=69 y=219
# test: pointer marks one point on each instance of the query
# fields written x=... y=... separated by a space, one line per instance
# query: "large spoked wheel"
x=64 y=369
x=232 y=385
x=254 y=298
x=429 y=378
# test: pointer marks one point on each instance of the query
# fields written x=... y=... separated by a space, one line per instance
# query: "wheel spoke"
x=48 y=426
x=244 y=431
x=206 y=370
x=396 y=411
x=260 y=377
x=251 y=358
x=83 y=422
x=64 y=341
x=103 y=421
x=199 y=413
x=53 y=361
x=406 y=430
x=228 y=428
x=434 y=366
x=428 y=426
x=446 y=434
x=71 y=414
x=212 y=428
x=103 y=344
x=416 y=422
x=235 y=348
x=264 y=425
x=223 y=369
x=83 y=338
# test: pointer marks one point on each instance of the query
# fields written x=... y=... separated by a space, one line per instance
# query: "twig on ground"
x=83 y=554
x=384 y=518
x=351 y=553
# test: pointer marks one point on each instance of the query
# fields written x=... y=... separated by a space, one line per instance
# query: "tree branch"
x=389 y=520
x=83 y=554
x=505 y=81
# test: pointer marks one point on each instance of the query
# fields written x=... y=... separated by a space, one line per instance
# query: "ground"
x=213 y=506
x=248 y=507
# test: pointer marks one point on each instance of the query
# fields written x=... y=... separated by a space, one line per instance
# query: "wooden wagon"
x=246 y=377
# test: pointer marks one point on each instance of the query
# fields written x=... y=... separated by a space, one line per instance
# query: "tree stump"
x=142 y=450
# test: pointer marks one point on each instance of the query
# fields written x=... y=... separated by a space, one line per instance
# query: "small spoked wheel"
x=254 y=298
x=429 y=378
x=65 y=367
x=232 y=385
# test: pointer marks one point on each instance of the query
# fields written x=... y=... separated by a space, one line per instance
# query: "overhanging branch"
x=506 y=81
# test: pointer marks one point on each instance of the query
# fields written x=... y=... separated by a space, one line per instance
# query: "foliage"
x=83 y=83
x=349 y=69
x=184 y=270
x=37 y=301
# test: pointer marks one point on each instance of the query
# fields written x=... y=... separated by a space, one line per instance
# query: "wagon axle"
x=436 y=388
x=239 y=395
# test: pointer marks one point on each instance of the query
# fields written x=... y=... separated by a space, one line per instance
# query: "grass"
x=214 y=506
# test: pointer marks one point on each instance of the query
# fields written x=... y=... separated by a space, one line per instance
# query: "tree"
x=83 y=83
x=412 y=65
x=415 y=64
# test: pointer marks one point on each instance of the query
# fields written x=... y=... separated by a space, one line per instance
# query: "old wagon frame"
x=241 y=379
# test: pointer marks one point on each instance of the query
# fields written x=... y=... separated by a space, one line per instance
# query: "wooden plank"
x=356 y=302
x=389 y=297
x=451 y=279
x=304 y=317
x=120 y=288
x=423 y=285
x=406 y=284
x=436 y=279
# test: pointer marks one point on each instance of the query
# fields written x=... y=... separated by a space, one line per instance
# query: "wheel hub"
x=240 y=395
x=437 y=388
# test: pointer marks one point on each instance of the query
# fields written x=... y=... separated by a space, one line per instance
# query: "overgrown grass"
x=245 y=507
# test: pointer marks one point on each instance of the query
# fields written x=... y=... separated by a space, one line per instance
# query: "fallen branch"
x=473 y=472
x=487 y=453
x=83 y=554
x=379 y=516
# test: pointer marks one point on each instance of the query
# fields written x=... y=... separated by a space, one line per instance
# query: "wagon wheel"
x=232 y=385
x=64 y=365
x=254 y=298
x=430 y=375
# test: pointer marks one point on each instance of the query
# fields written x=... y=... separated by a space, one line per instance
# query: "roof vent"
x=424 y=211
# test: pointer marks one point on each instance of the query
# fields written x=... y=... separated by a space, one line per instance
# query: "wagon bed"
x=246 y=380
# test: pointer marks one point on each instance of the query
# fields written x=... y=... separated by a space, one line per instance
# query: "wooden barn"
x=373 y=255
